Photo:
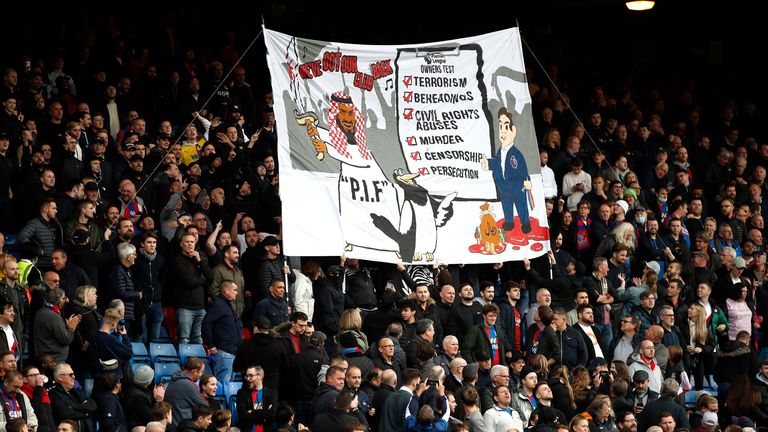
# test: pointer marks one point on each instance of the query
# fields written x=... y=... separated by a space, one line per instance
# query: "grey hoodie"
x=182 y=394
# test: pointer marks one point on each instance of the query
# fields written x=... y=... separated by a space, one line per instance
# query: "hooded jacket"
x=182 y=394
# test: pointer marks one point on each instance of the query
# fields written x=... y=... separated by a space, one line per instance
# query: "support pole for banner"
x=568 y=105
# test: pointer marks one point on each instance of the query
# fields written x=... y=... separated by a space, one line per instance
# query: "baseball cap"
x=597 y=361
x=270 y=241
x=91 y=186
x=739 y=262
x=334 y=269
x=163 y=135
x=317 y=338
x=136 y=157
x=4 y=136
x=709 y=419
x=653 y=265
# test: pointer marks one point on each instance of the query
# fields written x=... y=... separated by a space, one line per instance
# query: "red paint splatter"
x=516 y=238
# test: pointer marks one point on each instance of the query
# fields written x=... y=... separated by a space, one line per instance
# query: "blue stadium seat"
x=192 y=350
x=140 y=354
x=88 y=386
x=163 y=353
x=163 y=371
x=231 y=389
x=233 y=408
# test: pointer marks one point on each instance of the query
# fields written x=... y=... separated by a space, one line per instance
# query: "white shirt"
x=593 y=337
x=550 y=184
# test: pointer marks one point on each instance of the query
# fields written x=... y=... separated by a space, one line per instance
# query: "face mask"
x=640 y=219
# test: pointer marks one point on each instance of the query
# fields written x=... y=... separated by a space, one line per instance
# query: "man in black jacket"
x=263 y=350
x=192 y=276
x=512 y=319
x=201 y=419
x=305 y=366
x=69 y=403
x=573 y=351
x=256 y=402
x=222 y=330
x=345 y=412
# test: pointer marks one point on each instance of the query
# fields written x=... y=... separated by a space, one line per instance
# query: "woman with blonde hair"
x=699 y=343
x=551 y=142
x=541 y=367
x=352 y=322
x=83 y=304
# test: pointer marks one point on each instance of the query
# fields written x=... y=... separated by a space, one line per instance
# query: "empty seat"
x=231 y=388
x=192 y=350
x=163 y=371
x=163 y=353
x=140 y=354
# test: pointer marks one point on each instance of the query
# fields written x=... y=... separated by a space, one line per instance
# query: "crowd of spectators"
x=142 y=204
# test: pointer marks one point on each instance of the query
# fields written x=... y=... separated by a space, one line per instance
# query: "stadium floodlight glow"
x=640 y=5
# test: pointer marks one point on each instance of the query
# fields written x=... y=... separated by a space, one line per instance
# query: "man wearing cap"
x=139 y=398
x=523 y=399
x=273 y=266
x=701 y=271
x=264 y=350
x=640 y=394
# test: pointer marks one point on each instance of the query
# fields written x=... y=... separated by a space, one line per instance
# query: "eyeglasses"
x=31 y=375
x=386 y=346
x=69 y=374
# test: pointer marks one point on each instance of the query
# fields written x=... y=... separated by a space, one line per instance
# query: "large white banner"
x=417 y=153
